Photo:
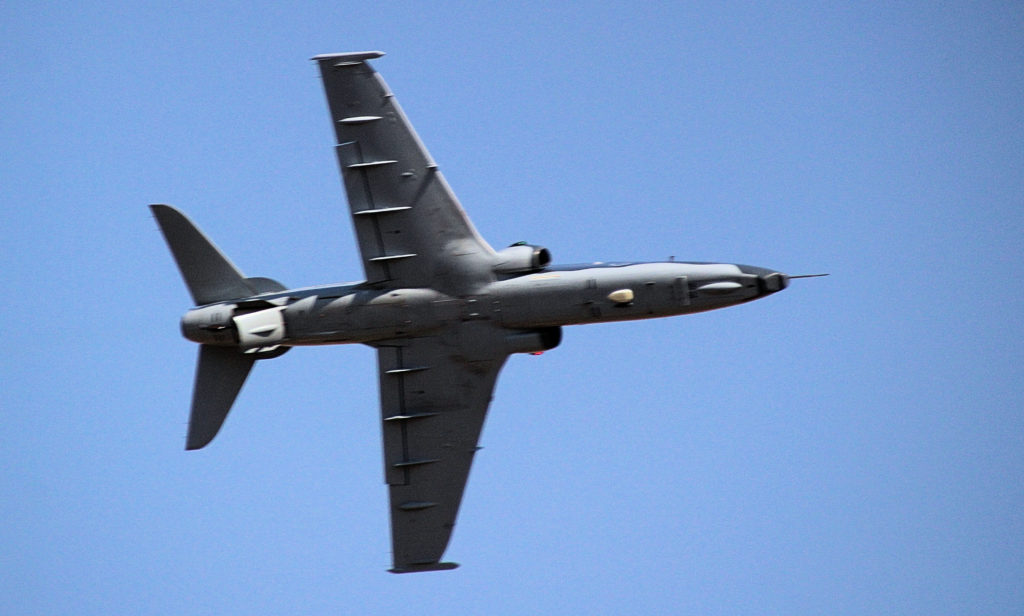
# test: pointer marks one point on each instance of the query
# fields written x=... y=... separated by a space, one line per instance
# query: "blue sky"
x=853 y=445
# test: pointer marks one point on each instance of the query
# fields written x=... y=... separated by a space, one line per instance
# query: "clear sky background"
x=853 y=445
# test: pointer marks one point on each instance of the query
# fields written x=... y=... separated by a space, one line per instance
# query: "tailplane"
x=220 y=374
x=211 y=277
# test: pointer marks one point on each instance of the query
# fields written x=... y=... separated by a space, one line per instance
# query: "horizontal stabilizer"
x=220 y=374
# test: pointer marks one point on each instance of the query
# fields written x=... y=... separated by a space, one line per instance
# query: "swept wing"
x=411 y=230
x=433 y=404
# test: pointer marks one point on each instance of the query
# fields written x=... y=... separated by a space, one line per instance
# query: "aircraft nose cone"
x=772 y=282
x=768 y=280
x=776 y=281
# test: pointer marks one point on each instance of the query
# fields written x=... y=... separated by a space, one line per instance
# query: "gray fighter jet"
x=442 y=308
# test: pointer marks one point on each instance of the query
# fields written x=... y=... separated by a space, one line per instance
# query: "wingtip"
x=349 y=56
x=199 y=436
x=164 y=211
x=423 y=567
x=195 y=444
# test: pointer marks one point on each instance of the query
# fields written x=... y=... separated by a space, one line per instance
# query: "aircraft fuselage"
x=553 y=297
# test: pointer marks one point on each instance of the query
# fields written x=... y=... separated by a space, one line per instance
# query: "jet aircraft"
x=442 y=308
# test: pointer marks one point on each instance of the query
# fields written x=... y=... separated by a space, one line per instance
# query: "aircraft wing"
x=411 y=230
x=433 y=403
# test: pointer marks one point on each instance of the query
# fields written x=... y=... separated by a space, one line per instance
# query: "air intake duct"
x=522 y=258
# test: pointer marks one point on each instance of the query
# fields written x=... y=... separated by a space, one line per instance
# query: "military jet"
x=441 y=307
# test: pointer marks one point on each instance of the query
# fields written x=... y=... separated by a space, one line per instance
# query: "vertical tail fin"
x=209 y=275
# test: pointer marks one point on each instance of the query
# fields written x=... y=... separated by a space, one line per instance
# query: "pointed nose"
x=771 y=283
x=768 y=281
